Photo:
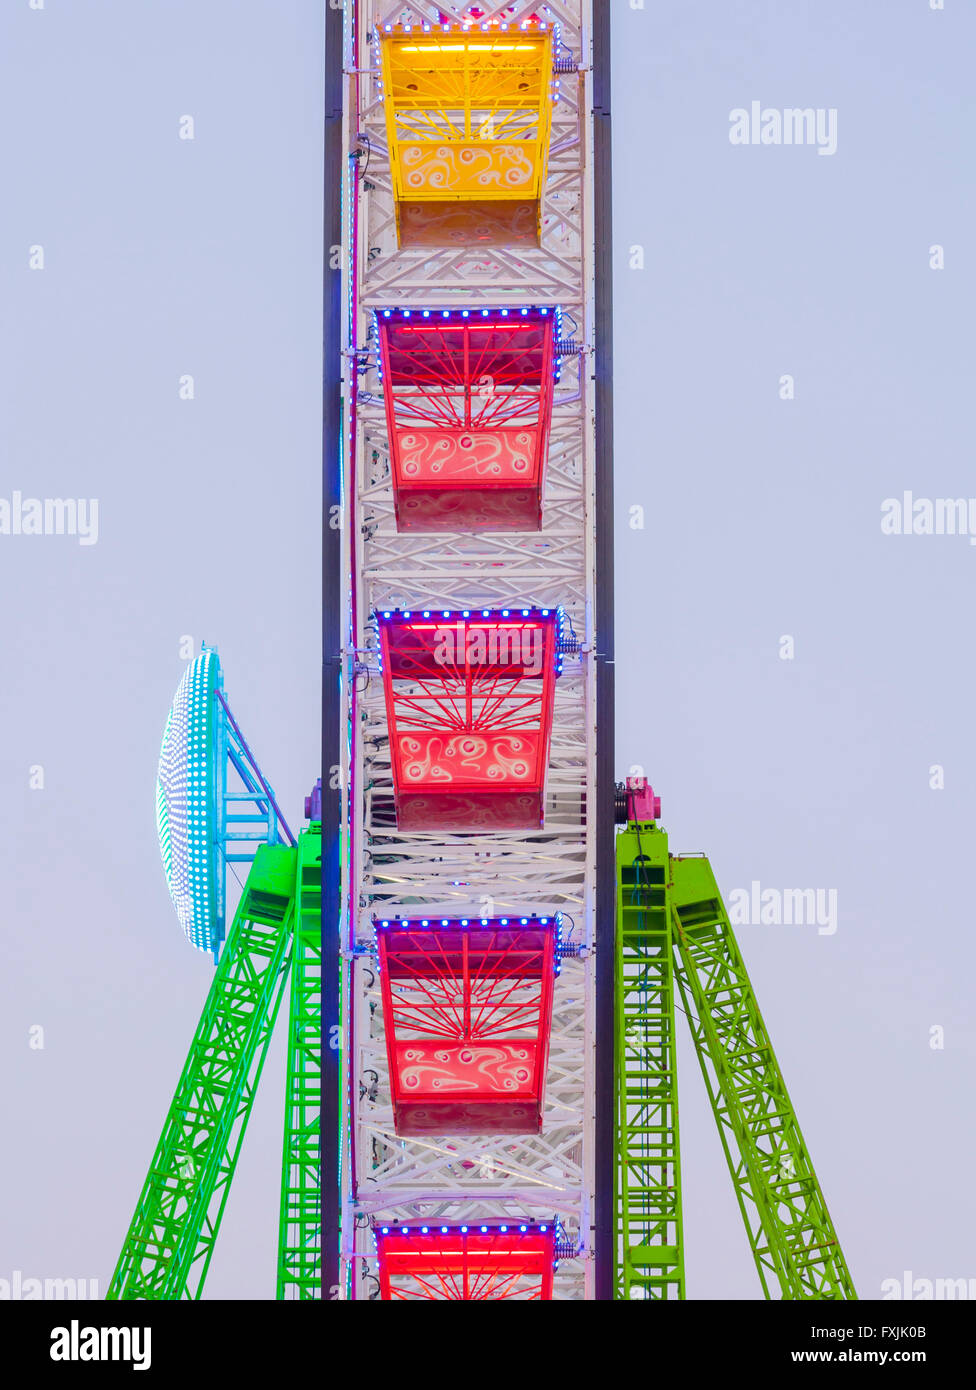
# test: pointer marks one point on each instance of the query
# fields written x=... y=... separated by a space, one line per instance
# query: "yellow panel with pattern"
x=468 y=119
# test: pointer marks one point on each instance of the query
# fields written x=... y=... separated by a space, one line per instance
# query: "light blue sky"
x=761 y=519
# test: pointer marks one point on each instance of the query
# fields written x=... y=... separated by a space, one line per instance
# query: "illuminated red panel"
x=467 y=1010
x=475 y=1263
x=468 y=408
x=466 y=1263
x=469 y=705
x=477 y=13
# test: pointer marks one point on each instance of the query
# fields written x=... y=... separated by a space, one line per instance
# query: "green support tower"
x=672 y=928
x=275 y=936
x=650 y=1263
x=300 y=1224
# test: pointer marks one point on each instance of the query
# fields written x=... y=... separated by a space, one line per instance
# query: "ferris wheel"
x=470 y=319
x=484 y=935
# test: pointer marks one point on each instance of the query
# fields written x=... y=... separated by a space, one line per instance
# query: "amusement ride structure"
x=481 y=1093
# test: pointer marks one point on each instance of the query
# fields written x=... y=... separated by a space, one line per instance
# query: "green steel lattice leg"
x=650 y=1256
x=790 y=1231
x=300 y=1227
x=170 y=1242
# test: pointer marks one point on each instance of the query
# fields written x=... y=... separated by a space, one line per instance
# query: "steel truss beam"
x=170 y=1242
x=550 y=274
x=537 y=871
x=651 y=1256
x=300 y=1221
x=790 y=1232
x=672 y=927
x=441 y=1177
x=531 y=1176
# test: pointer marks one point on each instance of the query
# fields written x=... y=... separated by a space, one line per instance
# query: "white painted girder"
x=454 y=874
x=549 y=1164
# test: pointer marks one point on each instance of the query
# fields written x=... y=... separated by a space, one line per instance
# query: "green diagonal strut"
x=790 y=1231
x=300 y=1225
x=672 y=929
x=167 y=1251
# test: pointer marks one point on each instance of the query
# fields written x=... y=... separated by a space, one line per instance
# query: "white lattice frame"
x=525 y=1176
x=452 y=873
x=549 y=275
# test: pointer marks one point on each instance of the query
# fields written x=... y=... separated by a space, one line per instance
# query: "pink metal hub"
x=642 y=804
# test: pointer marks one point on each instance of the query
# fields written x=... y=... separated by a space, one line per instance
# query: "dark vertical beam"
x=333 y=281
x=604 y=830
